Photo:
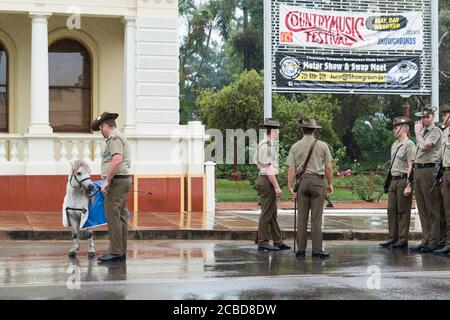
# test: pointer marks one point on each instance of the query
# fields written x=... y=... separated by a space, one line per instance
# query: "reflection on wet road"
x=220 y=270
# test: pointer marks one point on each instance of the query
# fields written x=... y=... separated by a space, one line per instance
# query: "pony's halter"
x=80 y=183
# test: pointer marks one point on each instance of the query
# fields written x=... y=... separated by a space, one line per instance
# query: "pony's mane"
x=77 y=164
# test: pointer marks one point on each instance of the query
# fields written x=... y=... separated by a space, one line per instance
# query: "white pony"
x=75 y=207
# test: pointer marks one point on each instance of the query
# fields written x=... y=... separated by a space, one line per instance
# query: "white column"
x=195 y=147
x=210 y=168
x=130 y=74
x=39 y=102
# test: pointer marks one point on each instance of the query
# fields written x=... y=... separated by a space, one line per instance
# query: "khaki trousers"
x=443 y=225
x=399 y=211
x=446 y=199
x=428 y=205
x=268 y=223
x=310 y=197
x=117 y=215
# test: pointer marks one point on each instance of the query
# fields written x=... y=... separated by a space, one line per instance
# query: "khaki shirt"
x=266 y=154
x=433 y=154
x=446 y=148
x=116 y=144
x=320 y=157
x=405 y=154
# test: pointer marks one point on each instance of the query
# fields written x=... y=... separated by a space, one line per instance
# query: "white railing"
x=177 y=152
x=13 y=148
x=84 y=147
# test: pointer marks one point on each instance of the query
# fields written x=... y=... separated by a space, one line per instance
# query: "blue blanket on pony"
x=96 y=209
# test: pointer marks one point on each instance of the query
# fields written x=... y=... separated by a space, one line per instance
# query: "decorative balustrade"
x=83 y=147
x=13 y=148
x=177 y=152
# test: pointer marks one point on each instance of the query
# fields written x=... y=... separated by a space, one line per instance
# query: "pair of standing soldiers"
x=309 y=161
x=413 y=167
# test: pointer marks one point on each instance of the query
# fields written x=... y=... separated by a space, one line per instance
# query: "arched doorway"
x=70 y=66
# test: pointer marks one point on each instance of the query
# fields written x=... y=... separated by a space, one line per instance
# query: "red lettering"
x=321 y=28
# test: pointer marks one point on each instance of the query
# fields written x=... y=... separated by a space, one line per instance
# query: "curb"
x=199 y=235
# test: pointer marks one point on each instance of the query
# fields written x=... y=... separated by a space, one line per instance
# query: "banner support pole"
x=267 y=59
x=435 y=56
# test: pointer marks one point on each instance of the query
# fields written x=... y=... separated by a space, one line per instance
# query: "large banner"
x=362 y=73
x=350 y=30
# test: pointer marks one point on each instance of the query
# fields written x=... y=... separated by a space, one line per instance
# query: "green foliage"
x=367 y=187
x=339 y=154
x=200 y=56
x=247 y=43
x=247 y=171
x=374 y=135
x=350 y=108
x=240 y=191
x=289 y=111
x=238 y=105
x=444 y=51
x=212 y=62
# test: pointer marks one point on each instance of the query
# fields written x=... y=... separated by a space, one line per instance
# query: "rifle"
x=387 y=183
x=438 y=172
x=388 y=179
x=295 y=219
x=330 y=204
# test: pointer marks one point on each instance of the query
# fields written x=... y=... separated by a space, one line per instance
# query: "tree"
x=444 y=52
x=350 y=108
x=290 y=110
x=238 y=105
x=200 y=55
x=248 y=39
x=241 y=104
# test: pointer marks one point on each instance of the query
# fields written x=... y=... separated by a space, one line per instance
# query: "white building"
x=61 y=65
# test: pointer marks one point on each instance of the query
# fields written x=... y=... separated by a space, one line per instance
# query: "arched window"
x=70 y=67
x=3 y=89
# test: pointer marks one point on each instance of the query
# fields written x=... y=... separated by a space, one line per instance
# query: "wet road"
x=220 y=270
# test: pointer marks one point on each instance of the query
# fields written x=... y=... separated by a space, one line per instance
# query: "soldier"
x=310 y=160
x=266 y=158
x=115 y=168
x=443 y=229
x=427 y=155
x=445 y=111
x=400 y=193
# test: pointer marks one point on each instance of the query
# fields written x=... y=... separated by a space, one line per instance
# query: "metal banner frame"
x=377 y=7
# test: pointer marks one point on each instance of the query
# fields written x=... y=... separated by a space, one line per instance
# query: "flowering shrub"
x=367 y=187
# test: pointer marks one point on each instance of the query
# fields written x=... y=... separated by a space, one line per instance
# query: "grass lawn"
x=243 y=191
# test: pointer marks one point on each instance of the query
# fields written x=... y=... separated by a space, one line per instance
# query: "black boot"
x=418 y=246
x=387 y=243
x=442 y=252
x=321 y=255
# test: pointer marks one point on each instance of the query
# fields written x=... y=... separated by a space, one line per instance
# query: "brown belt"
x=311 y=176
x=424 y=165
x=403 y=176
x=120 y=177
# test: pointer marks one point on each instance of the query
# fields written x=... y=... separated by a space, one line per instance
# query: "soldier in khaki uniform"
x=311 y=194
x=400 y=189
x=445 y=111
x=443 y=229
x=428 y=152
x=115 y=168
x=266 y=158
